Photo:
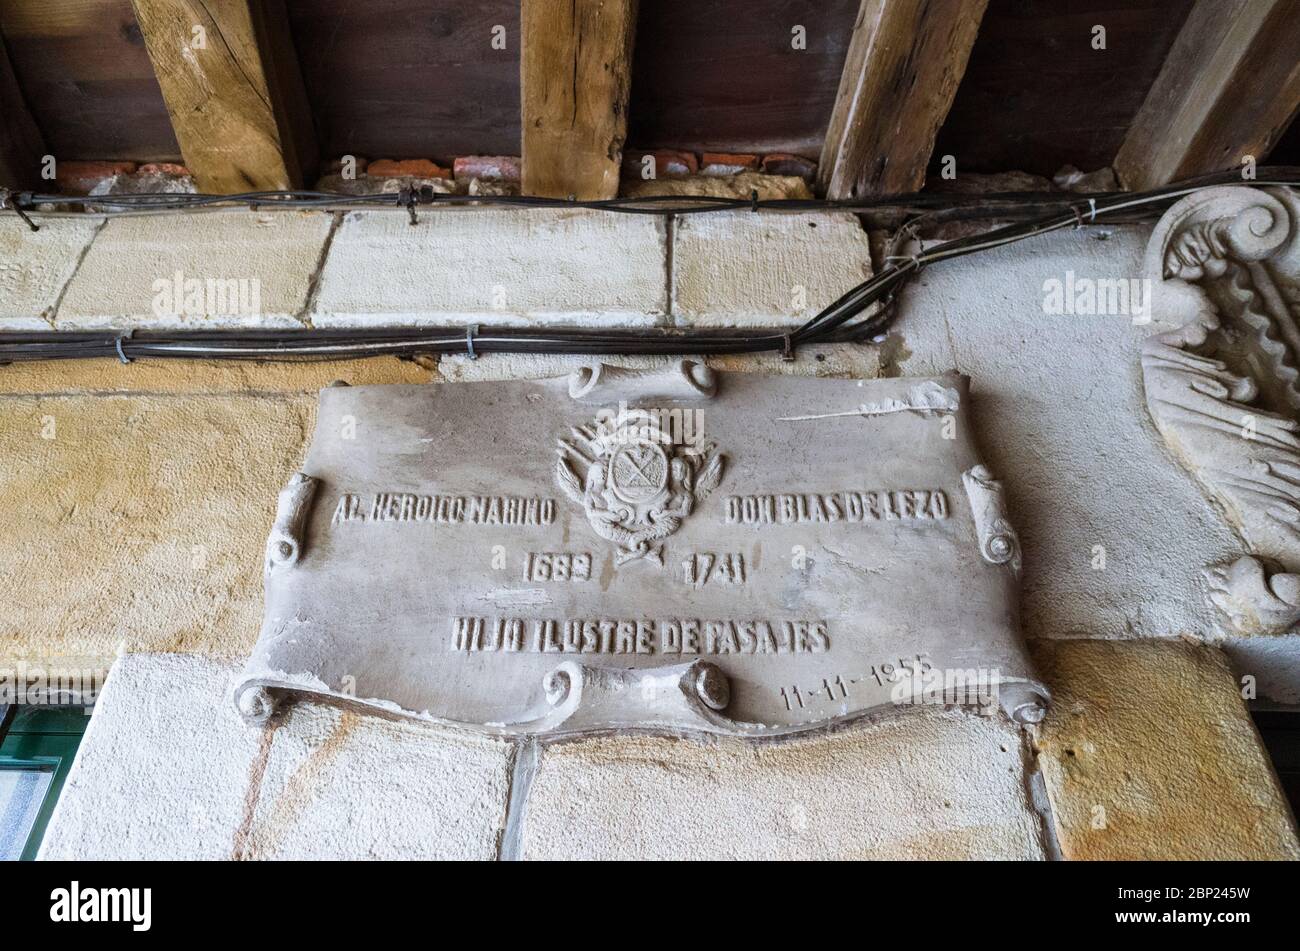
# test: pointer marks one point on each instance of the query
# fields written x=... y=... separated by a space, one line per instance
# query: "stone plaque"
x=672 y=550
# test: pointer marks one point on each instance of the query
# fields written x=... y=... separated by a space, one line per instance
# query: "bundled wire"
x=836 y=322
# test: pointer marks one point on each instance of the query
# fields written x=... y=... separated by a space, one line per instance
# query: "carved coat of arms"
x=634 y=482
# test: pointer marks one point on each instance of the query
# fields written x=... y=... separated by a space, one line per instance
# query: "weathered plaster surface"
x=168 y=770
x=343 y=784
x=924 y=784
x=115 y=284
x=1062 y=419
x=35 y=267
x=494 y=267
x=740 y=269
x=1148 y=753
x=162 y=770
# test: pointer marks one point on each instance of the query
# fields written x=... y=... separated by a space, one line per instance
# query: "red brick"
x=78 y=178
x=669 y=163
x=416 y=168
x=163 y=168
x=489 y=168
x=726 y=163
x=782 y=163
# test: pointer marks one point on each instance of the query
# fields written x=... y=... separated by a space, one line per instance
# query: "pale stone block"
x=1114 y=534
x=35 y=267
x=494 y=267
x=1148 y=753
x=1272 y=661
x=134 y=260
x=345 y=785
x=140 y=518
x=924 y=784
x=167 y=770
x=162 y=770
x=740 y=269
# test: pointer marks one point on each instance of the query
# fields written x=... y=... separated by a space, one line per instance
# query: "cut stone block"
x=346 y=785
x=921 y=785
x=35 y=266
x=140 y=519
x=162 y=770
x=1148 y=753
x=740 y=269
x=494 y=267
x=167 y=770
x=154 y=271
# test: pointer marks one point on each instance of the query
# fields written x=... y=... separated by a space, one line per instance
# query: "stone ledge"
x=115 y=286
x=740 y=269
x=924 y=784
x=35 y=267
x=1149 y=753
x=494 y=267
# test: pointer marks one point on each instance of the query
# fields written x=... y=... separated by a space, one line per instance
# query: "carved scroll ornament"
x=1223 y=386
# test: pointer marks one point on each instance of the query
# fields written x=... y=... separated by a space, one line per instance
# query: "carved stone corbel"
x=1223 y=385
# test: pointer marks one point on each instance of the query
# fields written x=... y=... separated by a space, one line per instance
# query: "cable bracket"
x=470 y=331
x=121 y=355
x=10 y=199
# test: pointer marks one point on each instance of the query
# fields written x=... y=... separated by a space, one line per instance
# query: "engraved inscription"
x=705 y=567
x=870 y=506
x=557 y=566
x=444 y=509
x=675 y=636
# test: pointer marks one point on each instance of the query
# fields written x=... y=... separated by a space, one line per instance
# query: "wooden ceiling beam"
x=1228 y=89
x=905 y=61
x=230 y=78
x=21 y=145
x=575 y=71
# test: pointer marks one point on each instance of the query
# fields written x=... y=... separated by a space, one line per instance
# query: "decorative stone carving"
x=634 y=482
x=848 y=554
x=284 y=545
x=1223 y=386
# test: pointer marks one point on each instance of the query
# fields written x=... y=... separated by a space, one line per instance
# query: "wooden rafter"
x=21 y=144
x=905 y=62
x=230 y=78
x=575 y=71
x=1228 y=89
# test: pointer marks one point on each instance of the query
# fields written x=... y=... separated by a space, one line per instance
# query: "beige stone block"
x=924 y=784
x=35 y=267
x=140 y=518
x=116 y=283
x=109 y=375
x=740 y=269
x=339 y=784
x=494 y=267
x=1149 y=753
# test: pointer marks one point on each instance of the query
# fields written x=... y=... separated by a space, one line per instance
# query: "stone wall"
x=135 y=500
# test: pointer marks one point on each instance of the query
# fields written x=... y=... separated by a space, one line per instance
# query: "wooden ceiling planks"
x=87 y=79
x=1037 y=96
x=410 y=78
x=726 y=77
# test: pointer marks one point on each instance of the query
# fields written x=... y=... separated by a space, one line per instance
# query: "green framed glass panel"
x=36 y=754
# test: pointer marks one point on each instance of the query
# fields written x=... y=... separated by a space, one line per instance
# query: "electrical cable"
x=834 y=323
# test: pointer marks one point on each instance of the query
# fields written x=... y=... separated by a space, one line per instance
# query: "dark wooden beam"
x=21 y=144
x=905 y=62
x=230 y=78
x=1228 y=89
x=575 y=70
